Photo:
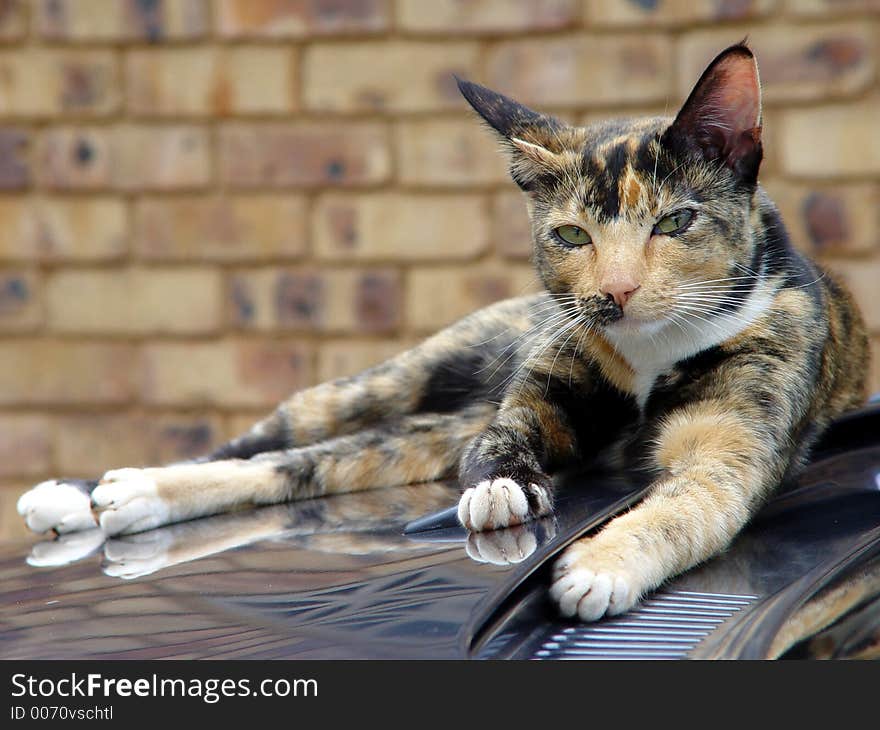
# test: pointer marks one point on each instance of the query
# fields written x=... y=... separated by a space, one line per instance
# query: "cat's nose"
x=620 y=290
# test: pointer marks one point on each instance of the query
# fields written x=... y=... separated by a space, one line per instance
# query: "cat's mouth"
x=601 y=311
x=637 y=325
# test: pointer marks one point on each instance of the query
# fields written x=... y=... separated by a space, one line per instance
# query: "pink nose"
x=619 y=290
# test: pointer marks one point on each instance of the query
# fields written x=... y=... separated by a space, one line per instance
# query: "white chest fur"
x=653 y=349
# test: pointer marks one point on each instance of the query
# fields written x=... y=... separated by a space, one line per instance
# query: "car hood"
x=389 y=574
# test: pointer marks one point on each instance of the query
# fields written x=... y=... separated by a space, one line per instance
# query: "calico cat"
x=680 y=332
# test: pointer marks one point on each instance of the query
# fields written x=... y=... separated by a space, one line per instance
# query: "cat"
x=680 y=332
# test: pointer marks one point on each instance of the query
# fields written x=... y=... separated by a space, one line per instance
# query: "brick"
x=276 y=91
x=63 y=229
x=395 y=226
x=25 y=444
x=15 y=171
x=341 y=358
x=796 y=63
x=82 y=446
x=227 y=373
x=75 y=158
x=404 y=76
x=438 y=296
x=126 y=157
x=486 y=16
x=303 y=154
x=830 y=219
x=673 y=12
x=511 y=230
x=13 y=20
x=300 y=18
x=366 y=300
x=20 y=305
x=171 y=81
x=220 y=228
x=203 y=81
x=162 y=158
x=579 y=71
x=115 y=20
x=47 y=372
x=831 y=141
x=448 y=153
x=861 y=279
x=42 y=82
x=831 y=7
x=135 y=301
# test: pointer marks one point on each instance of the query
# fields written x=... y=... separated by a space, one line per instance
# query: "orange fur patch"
x=705 y=432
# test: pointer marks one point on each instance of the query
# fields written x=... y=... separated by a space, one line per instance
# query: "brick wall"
x=207 y=204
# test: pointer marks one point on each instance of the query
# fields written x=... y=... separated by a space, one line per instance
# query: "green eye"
x=673 y=223
x=573 y=235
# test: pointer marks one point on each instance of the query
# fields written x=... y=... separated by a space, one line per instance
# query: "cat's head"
x=628 y=214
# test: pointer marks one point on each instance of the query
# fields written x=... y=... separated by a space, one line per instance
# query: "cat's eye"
x=673 y=223
x=573 y=235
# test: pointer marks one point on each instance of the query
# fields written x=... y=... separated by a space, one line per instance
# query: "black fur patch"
x=597 y=414
x=506 y=116
x=464 y=379
x=250 y=445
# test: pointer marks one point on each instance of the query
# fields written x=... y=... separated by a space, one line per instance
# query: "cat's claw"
x=127 y=501
x=497 y=503
x=56 y=505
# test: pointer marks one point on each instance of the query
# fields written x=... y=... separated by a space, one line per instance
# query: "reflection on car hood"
x=342 y=578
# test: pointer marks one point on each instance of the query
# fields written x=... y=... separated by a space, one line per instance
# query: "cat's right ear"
x=531 y=138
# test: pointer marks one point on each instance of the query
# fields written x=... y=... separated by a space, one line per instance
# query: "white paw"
x=497 y=503
x=590 y=595
x=58 y=506
x=127 y=500
x=66 y=548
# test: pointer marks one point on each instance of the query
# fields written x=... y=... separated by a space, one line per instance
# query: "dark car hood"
x=342 y=577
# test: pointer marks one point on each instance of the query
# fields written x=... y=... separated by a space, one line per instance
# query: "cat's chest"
x=655 y=354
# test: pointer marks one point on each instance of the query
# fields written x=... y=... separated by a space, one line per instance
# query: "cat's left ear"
x=532 y=138
x=721 y=119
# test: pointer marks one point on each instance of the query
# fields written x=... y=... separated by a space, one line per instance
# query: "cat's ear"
x=721 y=119
x=531 y=138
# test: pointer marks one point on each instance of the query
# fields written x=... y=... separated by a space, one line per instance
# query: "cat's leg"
x=462 y=365
x=718 y=464
x=504 y=471
x=418 y=448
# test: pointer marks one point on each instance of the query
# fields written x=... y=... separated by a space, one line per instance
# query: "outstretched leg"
x=416 y=449
x=466 y=364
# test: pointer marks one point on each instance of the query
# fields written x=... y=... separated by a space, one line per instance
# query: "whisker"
x=553 y=320
x=714 y=281
x=514 y=346
x=577 y=345
x=558 y=351
x=532 y=358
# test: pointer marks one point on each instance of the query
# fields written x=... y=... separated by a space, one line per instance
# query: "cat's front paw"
x=62 y=506
x=127 y=501
x=590 y=585
x=497 y=503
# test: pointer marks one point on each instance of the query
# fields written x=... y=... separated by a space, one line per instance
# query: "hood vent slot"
x=668 y=625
